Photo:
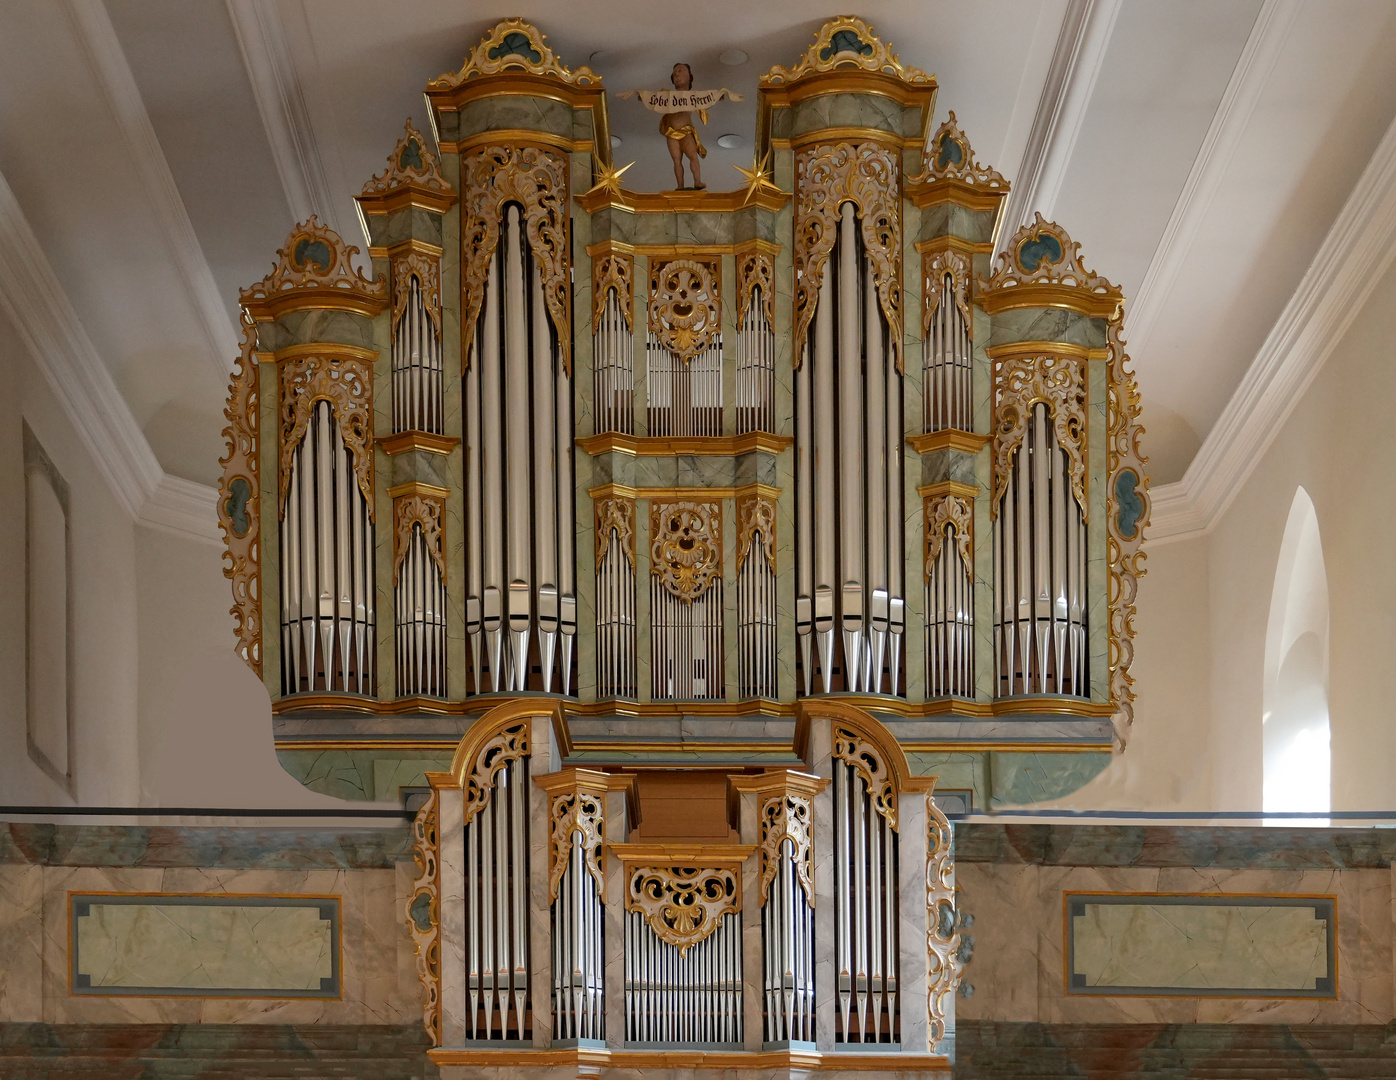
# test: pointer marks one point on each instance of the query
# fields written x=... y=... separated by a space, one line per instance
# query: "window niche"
x=47 y=615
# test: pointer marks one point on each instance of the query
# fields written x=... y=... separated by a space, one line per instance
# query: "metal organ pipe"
x=824 y=489
x=876 y=461
x=948 y=359
x=491 y=511
x=804 y=518
x=615 y=622
x=756 y=368
x=787 y=931
x=516 y=349
x=416 y=366
x=851 y=464
x=578 y=1003
x=692 y=998
x=545 y=484
x=613 y=378
x=756 y=623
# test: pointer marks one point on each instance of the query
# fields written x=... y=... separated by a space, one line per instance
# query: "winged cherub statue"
x=676 y=108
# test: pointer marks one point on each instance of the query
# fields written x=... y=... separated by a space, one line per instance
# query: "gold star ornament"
x=609 y=180
x=758 y=178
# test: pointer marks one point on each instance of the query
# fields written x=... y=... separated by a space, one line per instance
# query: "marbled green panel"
x=353 y=774
x=419 y=465
x=846 y=110
x=940 y=465
x=409 y=223
x=947 y=219
x=780 y=129
x=1047 y=324
x=448 y=125
x=306 y=327
x=515 y=112
x=583 y=129
x=963 y=771
x=1023 y=779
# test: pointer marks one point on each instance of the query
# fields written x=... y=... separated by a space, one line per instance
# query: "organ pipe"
x=417 y=370
x=756 y=368
x=577 y=913
x=686 y=641
x=615 y=614
x=947 y=364
x=613 y=380
x=691 y=996
x=419 y=596
x=787 y=930
x=949 y=620
x=685 y=396
x=756 y=623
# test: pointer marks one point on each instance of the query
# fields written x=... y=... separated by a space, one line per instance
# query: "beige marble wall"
x=1019 y=974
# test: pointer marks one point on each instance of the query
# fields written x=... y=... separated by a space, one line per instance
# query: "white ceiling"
x=160 y=150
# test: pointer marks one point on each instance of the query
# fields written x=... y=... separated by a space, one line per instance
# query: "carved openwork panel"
x=613 y=270
x=314 y=258
x=424 y=914
x=756 y=270
x=935 y=267
x=756 y=513
x=1060 y=383
x=615 y=513
x=426 y=511
x=1041 y=253
x=685 y=305
x=686 y=546
x=575 y=813
x=950 y=157
x=410 y=164
x=346 y=382
x=787 y=817
x=508 y=746
x=427 y=270
x=513 y=45
x=682 y=905
x=846 y=42
x=946 y=512
x=239 y=501
x=867 y=760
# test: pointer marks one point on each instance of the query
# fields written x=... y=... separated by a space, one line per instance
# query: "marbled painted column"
x=911 y=915
x=542 y=760
x=752 y=983
x=825 y=974
x=613 y=978
x=450 y=831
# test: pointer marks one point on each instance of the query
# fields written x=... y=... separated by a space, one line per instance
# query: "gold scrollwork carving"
x=613 y=270
x=826 y=176
x=576 y=813
x=685 y=308
x=346 y=382
x=682 y=905
x=950 y=157
x=866 y=759
x=618 y=513
x=756 y=270
x=509 y=745
x=536 y=178
x=240 y=501
x=686 y=546
x=410 y=163
x=1041 y=253
x=424 y=914
x=514 y=45
x=845 y=42
x=314 y=256
x=427 y=270
x=756 y=513
x=425 y=511
x=942 y=922
x=1021 y=382
x=935 y=267
x=787 y=817
x=949 y=512
x=1128 y=508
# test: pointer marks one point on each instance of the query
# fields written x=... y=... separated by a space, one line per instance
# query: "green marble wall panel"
x=514 y=112
x=421 y=466
x=940 y=465
x=948 y=219
x=306 y=327
x=960 y=771
x=1021 y=779
x=848 y=110
x=684 y=470
x=361 y=775
x=409 y=223
x=1047 y=324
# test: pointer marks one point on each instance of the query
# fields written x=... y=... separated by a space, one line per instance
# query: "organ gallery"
x=760 y=496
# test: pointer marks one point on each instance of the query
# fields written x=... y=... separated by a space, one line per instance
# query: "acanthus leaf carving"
x=944 y=965
x=509 y=745
x=945 y=512
x=314 y=256
x=427 y=270
x=239 y=500
x=686 y=546
x=787 y=817
x=424 y=914
x=756 y=513
x=426 y=512
x=842 y=42
x=1058 y=382
x=576 y=813
x=613 y=270
x=756 y=270
x=1041 y=253
x=683 y=905
x=514 y=45
x=685 y=306
x=615 y=512
x=346 y=382
x=866 y=759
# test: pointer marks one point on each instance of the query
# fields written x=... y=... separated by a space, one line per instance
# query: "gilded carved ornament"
x=239 y=501
x=613 y=270
x=508 y=746
x=841 y=43
x=426 y=513
x=1041 y=253
x=514 y=45
x=756 y=270
x=682 y=905
x=756 y=514
x=575 y=813
x=427 y=270
x=936 y=266
x=410 y=163
x=944 y=965
x=314 y=256
x=866 y=759
x=827 y=176
x=615 y=513
x=685 y=308
x=536 y=178
x=945 y=512
x=1128 y=507
x=787 y=817
x=1020 y=383
x=686 y=546
x=346 y=382
x=424 y=914
x=950 y=157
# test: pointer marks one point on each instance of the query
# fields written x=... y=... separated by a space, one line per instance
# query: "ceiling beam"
x=1350 y=262
x=1061 y=108
x=123 y=98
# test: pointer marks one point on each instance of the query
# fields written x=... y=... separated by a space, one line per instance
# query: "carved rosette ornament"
x=346 y=382
x=514 y=45
x=686 y=546
x=509 y=745
x=936 y=266
x=427 y=270
x=944 y=512
x=424 y=914
x=575 y=813
x=410 y=164
x=787 y=817
x=944 y=965
x=852 y=747
x=756 y=514
x=685 y=309
x=1021 y=382
x=682 y=905
x=613 y=270
x=846 y=42
x=756 y=270
x=826 y=176
x=239 y=501
x=427 y=513
x=949 y=157
x=315 y=257
x=615 y=513
x=536 y=178
x=1128 y=508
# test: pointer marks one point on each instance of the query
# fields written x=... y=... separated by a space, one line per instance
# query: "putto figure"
x=676 y=108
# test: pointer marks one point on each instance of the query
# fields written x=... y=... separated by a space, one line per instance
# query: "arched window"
x=1297 y=776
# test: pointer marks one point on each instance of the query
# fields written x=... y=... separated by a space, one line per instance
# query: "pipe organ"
x=692 y=472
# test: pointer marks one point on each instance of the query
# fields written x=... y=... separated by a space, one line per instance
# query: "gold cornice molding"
x=424 y=198
x=410 y=246
x=927 y=193
x=333 y=350
x=820 y=83
x=1047 y=295
x=779 y=781
x=683 y=853
x=425 y=441
x=514 y=84
x=416 y=487
x=625 y=491
x=945 y=242
x=610 y=442
x=315 y=298
x=682 y=202
x=845 y=134
x=1014 y=350
x=967 y=442
x=528 y=136
x=625 y=707
x=947 y=487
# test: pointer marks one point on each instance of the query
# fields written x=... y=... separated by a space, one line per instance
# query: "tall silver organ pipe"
x=327 y=581
x=756 y=623
x=419 y=601
x=417 y=368
x=613 y=379
x=787 y=930
x=1040 y=570
x=756 y=368
x=615 y=616
x=686 y=644
x=865 y=914
x=692 y=997
x=949 y=619
x=948 y=358
x=496 y=910
x=685 y=396
x=578 y=960
x=519 y=515
x=849 y=475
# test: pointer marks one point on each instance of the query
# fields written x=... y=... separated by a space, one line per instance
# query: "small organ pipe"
x=824 y=490
x=804 y=517
x=566 y=525
x=850 y=420
x=877 y=520
x=544 y=483
x=519 y=524
x=491 y=403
